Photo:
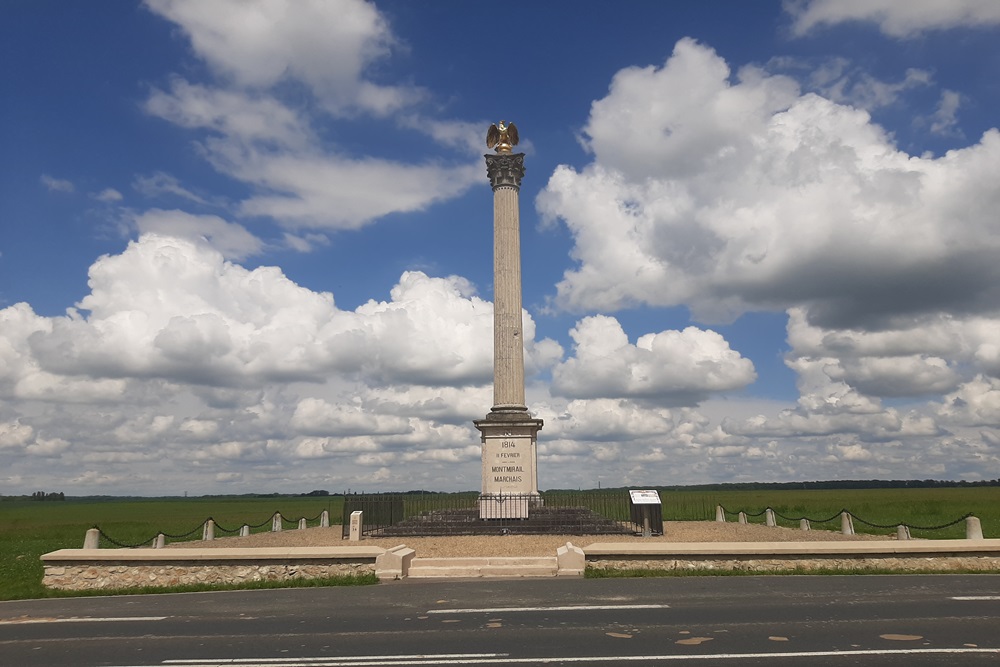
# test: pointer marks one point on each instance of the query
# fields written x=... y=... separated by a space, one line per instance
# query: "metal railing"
x=400 y=514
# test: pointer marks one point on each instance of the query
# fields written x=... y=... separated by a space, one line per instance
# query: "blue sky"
x=246 y=246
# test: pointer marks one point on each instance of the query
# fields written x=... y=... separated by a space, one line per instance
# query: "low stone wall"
x=895 y=563
x=109 y=575
x=104 y=569
x=902 y=556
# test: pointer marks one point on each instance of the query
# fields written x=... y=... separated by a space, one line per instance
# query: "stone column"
x=509 y=433
x=505 y=172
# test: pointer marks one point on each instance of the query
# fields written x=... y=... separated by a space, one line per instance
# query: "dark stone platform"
x=540 y=521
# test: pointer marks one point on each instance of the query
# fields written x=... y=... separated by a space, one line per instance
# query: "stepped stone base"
x=427 y=568
x=540 y=521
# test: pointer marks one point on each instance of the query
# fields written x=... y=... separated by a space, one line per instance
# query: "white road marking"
x=966 y=598
x=498 y=610
x=312 y=661
x=466 y=659
x=108 y=619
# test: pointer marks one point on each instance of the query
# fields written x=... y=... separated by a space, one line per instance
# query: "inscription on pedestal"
x=507 y=464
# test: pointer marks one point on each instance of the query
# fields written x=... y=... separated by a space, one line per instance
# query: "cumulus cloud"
x=329 y=46
x=233 y=240
x=174 y=308
x=929 y=355
x=728 y=196
x=975 y=403
x=672 y=367
x=896 y=19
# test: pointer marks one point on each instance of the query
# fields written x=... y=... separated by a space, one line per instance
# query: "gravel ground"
x=531 y=545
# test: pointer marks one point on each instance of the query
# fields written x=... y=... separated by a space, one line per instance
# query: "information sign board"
x=644 y=497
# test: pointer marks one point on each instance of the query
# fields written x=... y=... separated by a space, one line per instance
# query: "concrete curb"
x=764 y=549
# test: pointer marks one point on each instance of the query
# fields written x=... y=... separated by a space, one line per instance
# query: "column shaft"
x=508 y=339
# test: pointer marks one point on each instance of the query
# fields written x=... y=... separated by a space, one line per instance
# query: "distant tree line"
x=41 y=495
x=825 y=484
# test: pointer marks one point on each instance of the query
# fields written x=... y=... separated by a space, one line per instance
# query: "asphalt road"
x=814 y=621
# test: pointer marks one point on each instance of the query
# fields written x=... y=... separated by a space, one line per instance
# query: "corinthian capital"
x=505 y=169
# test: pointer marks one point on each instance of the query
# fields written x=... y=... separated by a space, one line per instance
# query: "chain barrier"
x=193 y=531
x=263 y=523
x=835 y=516
x=122 y=545
x=219 y=528
x=187 y=534
x=760 y=513
x=912 y=527
x=855 y=517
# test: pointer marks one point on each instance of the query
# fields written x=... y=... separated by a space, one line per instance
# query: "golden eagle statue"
x=502 y=137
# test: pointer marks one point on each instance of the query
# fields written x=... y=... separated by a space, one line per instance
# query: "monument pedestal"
x=510 y=471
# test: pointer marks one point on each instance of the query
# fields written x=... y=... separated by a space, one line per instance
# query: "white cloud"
x=336 y=192
x=732 y=196
x=327 y=45
x=15 y=435
x=234 y=241
x=945 y=117
x=670 y=367
x=242 y=117
x=57 y=184
x=314 y=416
x=109 y=195
x=896 y=19
x=259 y=140
x=172 y=310
x=160 y=183
x=976 y=403
x=839 y=81
x=929 y=355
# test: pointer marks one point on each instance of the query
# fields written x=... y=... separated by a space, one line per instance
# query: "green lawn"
x=30 y=528
x=916 y=507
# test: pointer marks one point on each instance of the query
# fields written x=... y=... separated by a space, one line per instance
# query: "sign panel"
x=644 y=497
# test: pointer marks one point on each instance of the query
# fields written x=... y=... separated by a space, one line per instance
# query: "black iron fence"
x=398 y=514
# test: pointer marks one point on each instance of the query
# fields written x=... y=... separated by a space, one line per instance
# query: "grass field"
x=887 y=507
x=29 y=529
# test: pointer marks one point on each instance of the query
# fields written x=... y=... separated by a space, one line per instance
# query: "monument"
x=509 y=432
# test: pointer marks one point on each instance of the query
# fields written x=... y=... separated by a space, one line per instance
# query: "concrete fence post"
x=902 y=532
x=846 y=523
x=769 y=517
x=973 y=528
x=356 y=521
x=276 y=522
x=161 y=541
x=804 y=524
x=245 y=531
x=743 y=517
x=394 y=563
x=302 y=523
x=720 y=514
x=570 y=561
x=92 y=539
x=324 y=519
x=208 y=530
